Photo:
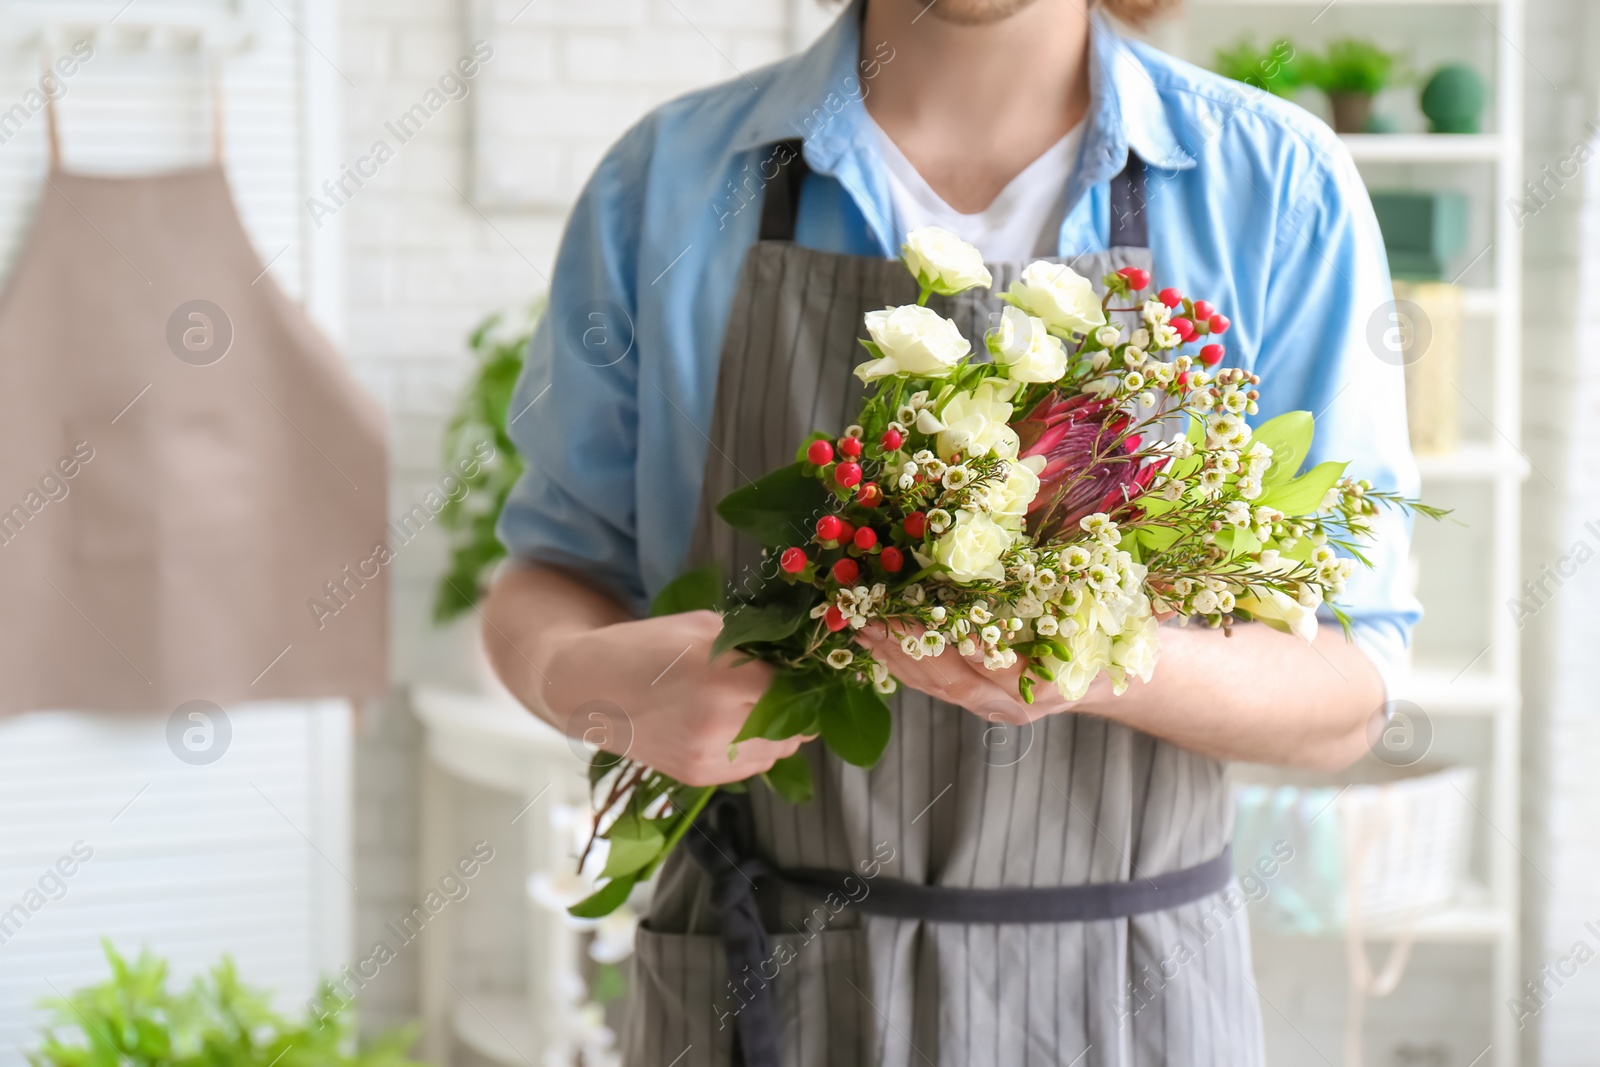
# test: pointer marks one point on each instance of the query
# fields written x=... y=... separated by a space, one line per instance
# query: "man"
x=707 y=290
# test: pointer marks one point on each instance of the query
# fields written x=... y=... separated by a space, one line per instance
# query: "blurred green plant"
x=499 y=345
x=1276 y=70
x=1353 y=65
x=133 y=1020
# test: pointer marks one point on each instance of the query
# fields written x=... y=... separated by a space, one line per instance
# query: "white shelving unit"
x=1486 y=691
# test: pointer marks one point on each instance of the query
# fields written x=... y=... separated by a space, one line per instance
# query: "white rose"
x=913 y=341
x=971 y=549
x=943 y=262
x=1282 y=612
x=1133 y=654
x=974 y=423
x=1026 y=349
x=1008 y=501
x=1060 y=296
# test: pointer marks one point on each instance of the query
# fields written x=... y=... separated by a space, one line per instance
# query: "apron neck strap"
x=53 y=131
x=780 y=204
x=1130 y=226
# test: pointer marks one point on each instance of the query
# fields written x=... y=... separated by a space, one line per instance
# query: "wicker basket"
x=1378 y=853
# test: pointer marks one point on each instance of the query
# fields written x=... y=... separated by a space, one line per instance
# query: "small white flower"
x=967 y=647
x=840 y=658
x=990 y=634
x=1133 y=382
x=957 y=477
x=1166 y=337
x=1134 y=357
x=1046 y=626
x=938 y=520
x=932 y=642
x=911 y=646
x=885 y=685
x=979 y=614
x=907 y=481
x=1107 y=335
x=1140 y=338
x=937 y=613
x=913 y=594
x=1236 y=513
x=1248 y=487
x=1155 y=313
x=906 y=415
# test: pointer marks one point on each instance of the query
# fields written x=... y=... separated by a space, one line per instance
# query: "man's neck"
x=972 y=105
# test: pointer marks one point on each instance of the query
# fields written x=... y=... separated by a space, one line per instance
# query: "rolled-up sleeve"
x=574 y=412
x=1324 y=350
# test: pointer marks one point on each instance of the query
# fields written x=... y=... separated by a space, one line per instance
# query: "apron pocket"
x=681 y=1001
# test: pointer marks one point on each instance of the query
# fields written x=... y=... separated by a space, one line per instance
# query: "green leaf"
x=605 y=900
x=1301 y=496
x=1158 y=538
x=855 y=723
x=776 y=510
x=772 y=620
x=696 y=590
x=790 y=778
x=789 y=707
x=1238 y=541
x=634 y=843
x=1289 y=437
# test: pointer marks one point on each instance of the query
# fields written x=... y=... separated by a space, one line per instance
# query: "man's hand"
x=1257 y=695
x=966 y=682
x=558 y=643
x=684 y=709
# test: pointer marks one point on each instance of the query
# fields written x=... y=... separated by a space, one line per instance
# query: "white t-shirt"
x=1022 y=223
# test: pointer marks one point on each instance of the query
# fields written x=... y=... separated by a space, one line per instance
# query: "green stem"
x=678 y=831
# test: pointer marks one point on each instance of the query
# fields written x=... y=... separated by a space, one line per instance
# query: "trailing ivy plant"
x=133 y=1019
x=478 y=428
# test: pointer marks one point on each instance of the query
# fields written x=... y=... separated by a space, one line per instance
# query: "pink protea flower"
x=1069 y=433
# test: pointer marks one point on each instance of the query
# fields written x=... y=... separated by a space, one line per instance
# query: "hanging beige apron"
x=192 y=485
x=969 y=842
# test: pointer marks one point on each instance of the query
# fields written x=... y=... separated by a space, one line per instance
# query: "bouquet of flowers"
x=1045 y=507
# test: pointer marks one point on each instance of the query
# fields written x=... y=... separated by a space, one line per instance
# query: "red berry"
x=819 y=452
x=1137 y=278
x=1211 y=355
x=892 y=440
x=1183 y=379
x=892 y=559
x=847 y=474
x=834 y=619
x=1170 y=297
x=1203 y=310
x=866 y=537
x=846 y=571
x=915 y=525
x=830 y=528
x=847 y=532
x=850 y=446
x=793 y=560
x=869 y=495
x=1184 y=327
x=1219 y=323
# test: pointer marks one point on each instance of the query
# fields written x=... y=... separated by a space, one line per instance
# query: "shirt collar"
x=817 y=97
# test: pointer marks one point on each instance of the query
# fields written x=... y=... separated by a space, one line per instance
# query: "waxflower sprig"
x=1037 y=499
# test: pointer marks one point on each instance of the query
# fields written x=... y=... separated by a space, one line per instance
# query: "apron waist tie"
x=721 y=846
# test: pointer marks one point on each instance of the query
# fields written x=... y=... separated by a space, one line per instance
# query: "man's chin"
x=975 y=12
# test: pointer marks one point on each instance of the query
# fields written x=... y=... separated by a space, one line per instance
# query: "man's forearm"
x=1258 y=696
x=529 y=609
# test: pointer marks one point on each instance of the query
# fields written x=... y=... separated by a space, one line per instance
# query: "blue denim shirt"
x=1252 y=204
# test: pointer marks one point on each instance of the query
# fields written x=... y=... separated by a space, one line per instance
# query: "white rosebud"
x=1054 y=292
x=1024 y=346
x=1107 y=335
x=943 y=262
x=913 y=341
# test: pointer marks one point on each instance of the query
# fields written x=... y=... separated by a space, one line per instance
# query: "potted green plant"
x=478 y=429
x=134 y=1020
x=1276 y=70
x=1352 y=71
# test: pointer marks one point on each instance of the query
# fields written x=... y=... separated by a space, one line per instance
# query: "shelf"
x=1473 y=461
x=1422 y=147
x=1473 y=919
x=1439 y=691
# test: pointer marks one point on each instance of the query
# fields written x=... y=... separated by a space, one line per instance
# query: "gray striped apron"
x=853 y=959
